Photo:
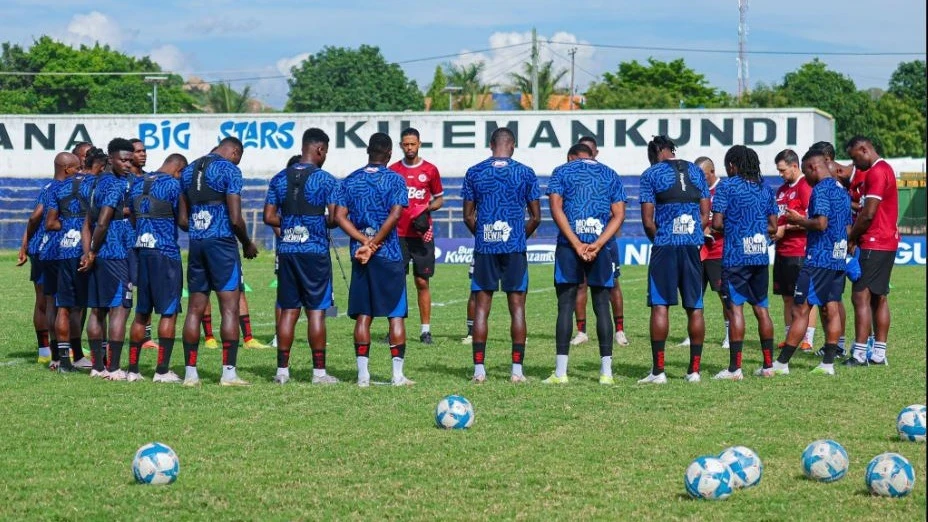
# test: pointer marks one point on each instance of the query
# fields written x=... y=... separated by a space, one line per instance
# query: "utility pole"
x=154 y=81
x=742 y=48
x=534 y=69
x=572 y=53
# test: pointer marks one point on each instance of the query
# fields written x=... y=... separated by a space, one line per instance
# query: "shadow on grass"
x=23 y=355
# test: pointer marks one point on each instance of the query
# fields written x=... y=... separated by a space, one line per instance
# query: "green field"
x=580 y=451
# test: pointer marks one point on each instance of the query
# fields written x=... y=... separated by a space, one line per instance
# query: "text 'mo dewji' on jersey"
x=746 y=206
x=153 y=202
x=792 y=196
x=501 y=188
x=675 y=187
x=713 y=249
x=589 y=189
x=206 y=182
x=112 y=191
x=71 y=199
x=879 y=182
x=369 y=193
x=301 y=194
x=423 y=183
x=828 y=248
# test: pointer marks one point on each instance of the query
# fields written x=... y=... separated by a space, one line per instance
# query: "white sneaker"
x=660 y=378
x=403 y=381
x=325 y=379
x=83 y=364
x=726 y=375
x=234 y=381
x=780 y=369
x=580 y=338
x=281 y=378
x=364 y=383
x=169 y=378
x=693 y=377
x=274 y=342
x=518 y=379
x=620 y=338
x=191 y=382
x=726 y=345
x=685 y=342
x=98 y=374
x=118 y=375
x=468 y=339
x=134 y=377
x=764 y=372
x=479 y=379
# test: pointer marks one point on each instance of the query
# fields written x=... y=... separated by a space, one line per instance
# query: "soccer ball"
x=825 y=461
x=745 y=466
x=155 y=463
x=708 y=478
x=911 y=423
x=454 y=413
x=890 y=475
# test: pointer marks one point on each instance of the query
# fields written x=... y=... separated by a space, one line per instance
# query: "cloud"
x=170 y=58
x=285 y=65
x=214 y=25
x=96 y=27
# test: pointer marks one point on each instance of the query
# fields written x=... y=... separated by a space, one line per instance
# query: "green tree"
x=439 y=99
x=338 y=79
x=655 y=85
x=908 y=83
x=899 y=129
x=474 y=94
x=548 y=80
x=223 y=99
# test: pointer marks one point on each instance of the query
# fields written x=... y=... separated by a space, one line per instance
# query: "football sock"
x=734 y=356
x=96 y=354
x=619 y=322
x=165 y=347
x=479 y=351
x=244 y=322
x=361 y=351
x=208 y=326
x=283 y=356
x=45 y=351
x=785 y=333
x=229 y=353
x=786 y=354
x=115 y=357
x=470 y=327
x=860 y=352
x=841 y=341
x=147 y=334
x=581 y=325
x=766 y=350
x=560 y=365
x=283 y=371
x=398 y=353
x=518 y=356
x=135 y=349
x=605 y=365
x=41 y=338
x=879 y=352
x=657 y=357
x=425 y=328
x=77 y=351
x=64 y=354
x=726 y=329
x=810 y=335
x=319 y=358
x=695 y=358
x=190 y=372
x=190 y=354
x=53 y=347
x=830 y=351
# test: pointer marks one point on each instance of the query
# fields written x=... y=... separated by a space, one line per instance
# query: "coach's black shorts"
x=674 y=269
x=493 y=272
x=72 y=287
x=304 y=281
x=818 y=286
x=876 y=267
x=378 y=289
x=50 y=277
x=785 y=273
x=745 y=284
x=422 y=255
x=214 y=265
x=109 y=284
x=570 y=269
x=712 y=275
x=160 y=284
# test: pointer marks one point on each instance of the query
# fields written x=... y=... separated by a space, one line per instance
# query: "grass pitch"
x=580 y=451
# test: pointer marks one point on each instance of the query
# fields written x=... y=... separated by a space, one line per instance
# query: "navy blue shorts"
x=133 y=258
x=50 y=277
x=818 y=286
x=745 y=284
x=493 y=272
x=214 y=265
x=675 y=269
x=35 y=269
x=378 y=289
x=304 y=281
x=109 y=284
x=570 y=269
x=160 y=285
x=73 y=286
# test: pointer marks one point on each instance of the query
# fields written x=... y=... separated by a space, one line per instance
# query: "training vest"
x=295 y=203
x=682 y=192
x=64 y=204
x=118 y=212
x=157 y=208
x=199 y=192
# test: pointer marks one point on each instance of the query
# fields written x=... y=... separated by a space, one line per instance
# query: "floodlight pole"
x=154 y=81
x=450 y=89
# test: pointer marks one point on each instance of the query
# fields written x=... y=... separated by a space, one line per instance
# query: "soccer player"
x=139 y=158
x=615 y=293
x=588 y=206
x=496 y=193
x=211 y=190
x=106 y=258
x=96 y=162
x=369 y=203
x=301 y=203
x=29 y=251
x=821 y=278
x=746 y=211
x=426 y=195
x=155 y=204
x=674 y=212
x=793 y=194
x=876 y=235
x=81 y=150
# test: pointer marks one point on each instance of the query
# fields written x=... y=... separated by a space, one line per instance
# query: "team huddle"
x=103 y=232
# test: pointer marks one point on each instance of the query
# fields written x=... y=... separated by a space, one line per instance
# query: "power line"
x=735 y=51
x=465 y=53
x=562 y=57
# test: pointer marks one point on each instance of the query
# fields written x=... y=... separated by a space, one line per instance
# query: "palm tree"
x=223 y=99
x=474 y=93
x=548 y=78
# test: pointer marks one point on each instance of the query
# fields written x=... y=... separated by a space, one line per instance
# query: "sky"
x=257 y=42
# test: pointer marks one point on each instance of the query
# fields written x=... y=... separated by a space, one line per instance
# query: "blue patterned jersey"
x=301 y=233
x=32 y=248
x=211 y=221
x=112 y=191
x=589 y=189
x=71 y=214
x=675 y=193
x=154 y=228
x=369 y=193
x=48 y=240
x=828 y=248
x=745 y=206
x=501 y=189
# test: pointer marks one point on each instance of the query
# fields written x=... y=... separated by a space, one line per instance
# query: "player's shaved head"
x=230 y=148
x=503 y=142
x=590 y=142
x=174 y=164
x=66 y=164
x=379 y=148
x=579 y=151
x=704 y=160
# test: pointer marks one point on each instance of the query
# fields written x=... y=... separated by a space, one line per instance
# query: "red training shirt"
x=423 y=183
x=715 y=250
x=879 y=182
x=793 y=197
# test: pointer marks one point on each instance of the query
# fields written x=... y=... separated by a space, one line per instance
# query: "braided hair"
x=745 y=161
x=657 y=144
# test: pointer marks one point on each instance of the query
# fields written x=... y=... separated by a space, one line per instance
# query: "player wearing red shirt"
x=876 y=235
x=415 y=225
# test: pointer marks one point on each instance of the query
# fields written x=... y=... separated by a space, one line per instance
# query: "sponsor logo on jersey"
x=414 y=193
x=71 y=239
x=369 y=232
x=146 y=240
x=202 y=220
x=497 y=232
x=297 y=234
x=839 y=251
x=588 y=226
x=754 y=245
x=683 y=225
x=423 y=178
x=498 y=164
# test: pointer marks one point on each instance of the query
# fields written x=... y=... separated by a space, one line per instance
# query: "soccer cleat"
x=325 y=379
x=805 y=347
x=764 y=372
x=726 y=375
x=518 y=379
x=725 y=344
x=191 y=382
x=169 y=378
x=467 y=339
x=620 y=338
x=66 y=368
x=821 y=370
x=101 y=374
x=606 y=380
x=820 y=352
x=554 y=379
x=660 y=378
x=254 y=344
x=364 y=383
x=853 y=362
x=884 y=362
x=685 y=342
x=211 y=343
x=44 y=359
x=281 y=378
x=134 y=377
x=693 y=377
x=149 y=345
x=580 y=338
x=425 y=338
x=780 y=368
x=479 y=379
x=53 y=365
x=83 y=364
x=274 y=342
x=403 y=381
x=234 y=381
x=117 y=375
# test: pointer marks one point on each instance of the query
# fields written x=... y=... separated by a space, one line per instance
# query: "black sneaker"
x=426 y=338
x=852 y=361
x=67 y=368
x=884 y=362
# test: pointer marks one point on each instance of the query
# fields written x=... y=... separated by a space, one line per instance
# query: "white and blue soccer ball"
x=708 y=478
x=155 y=463
x=911 y=423
x=890 y=475
x=454 y=413
x=744 y=464
x=825 y=461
